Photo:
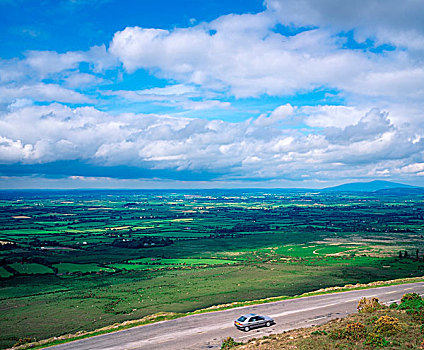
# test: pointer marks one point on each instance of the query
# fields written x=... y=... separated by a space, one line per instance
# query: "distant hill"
x=401 y=191
x=372 y=186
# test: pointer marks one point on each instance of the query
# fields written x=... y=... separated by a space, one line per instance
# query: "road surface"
x=206 y=331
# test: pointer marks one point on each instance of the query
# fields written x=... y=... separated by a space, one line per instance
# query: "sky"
x=210 y=94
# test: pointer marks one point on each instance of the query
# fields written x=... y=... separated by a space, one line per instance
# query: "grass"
x=227 y=248
x=158 y=263
x=90 y=303
x=64 y=268
x=189 y=262
x=30 y=268
x=4 y=273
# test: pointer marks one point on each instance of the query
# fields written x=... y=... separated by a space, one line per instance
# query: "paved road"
x=206 y=331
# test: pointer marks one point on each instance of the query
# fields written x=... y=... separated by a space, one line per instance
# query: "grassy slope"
x=87 y=303
x=170 y=315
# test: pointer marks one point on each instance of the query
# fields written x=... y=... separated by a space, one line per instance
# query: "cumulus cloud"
x=247 y=57
x=47 y=62
x=374 y=124
x=293 y=50
x=48 y=76
x=232 y=58
x=78 y=80
x=390 y=21
x=331 y=115
x=277 y=115
x=13 y=150
x=244 y=150
x=391 y=83
x=417 y=168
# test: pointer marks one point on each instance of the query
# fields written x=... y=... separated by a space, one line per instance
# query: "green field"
x=64 y=268
x=181 y=262
x=4 y=273
x=81 y=260
x=159 y=263
x=30 y=268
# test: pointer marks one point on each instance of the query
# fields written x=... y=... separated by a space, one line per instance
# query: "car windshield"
x=241 y=319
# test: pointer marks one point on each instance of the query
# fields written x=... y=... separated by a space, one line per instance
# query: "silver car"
x=249 y=321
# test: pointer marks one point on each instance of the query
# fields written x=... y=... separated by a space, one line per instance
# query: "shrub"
x=387 y=325
x=355 y=330
x=318 y=332
x=393 y=305
x=368 y=305
x=413 y=304
x=418 y=316
x=371 y=320
x=375 y=340
x=338 y=333
x=229 y=343
x=22 y=341
x=410 y=296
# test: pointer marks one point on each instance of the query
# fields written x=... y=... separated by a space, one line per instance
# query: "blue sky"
x=190 y=94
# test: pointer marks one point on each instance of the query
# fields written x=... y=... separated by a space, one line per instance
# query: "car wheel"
x=246 y=329
x=268 y=324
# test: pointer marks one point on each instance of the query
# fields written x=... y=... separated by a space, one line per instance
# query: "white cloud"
x=100 y=59
x=201 y=105
x=79 y=80
x=375 y=129
x=170 y=90
x=277 y=115
x=373 y=124
x=47 y=62
x=392 y=83
x=19 y=103
x=244 y=150
x=389 y=21
x=47 y=76
x=42 y=92
x=413 y=168
x=331 y=115
x=13 y=150
x=182 y=96
x=11 y=70
x=243 y=55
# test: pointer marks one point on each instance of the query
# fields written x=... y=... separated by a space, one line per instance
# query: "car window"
x=259 y=318
x=252 y=319
x=241 y=319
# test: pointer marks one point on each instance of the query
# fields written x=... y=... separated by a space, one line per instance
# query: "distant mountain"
x=372 y=186
x=401 y=191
